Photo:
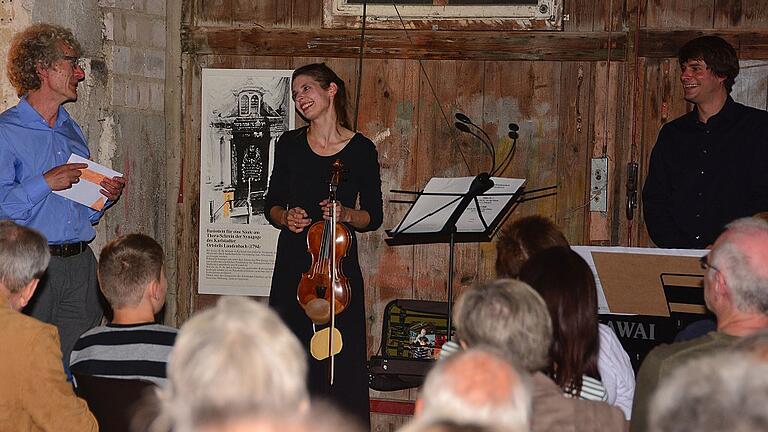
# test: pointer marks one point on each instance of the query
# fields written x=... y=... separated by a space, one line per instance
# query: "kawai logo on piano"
x=633 y=330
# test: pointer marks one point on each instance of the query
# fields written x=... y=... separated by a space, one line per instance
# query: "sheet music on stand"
x=441 y=197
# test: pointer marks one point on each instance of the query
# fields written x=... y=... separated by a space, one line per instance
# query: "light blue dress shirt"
x=28 y=149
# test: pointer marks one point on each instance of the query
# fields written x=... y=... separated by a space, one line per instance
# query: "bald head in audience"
x=736 y=283
x=476 y=387
x=235 y=361
x=735 y=290
x=721 y=392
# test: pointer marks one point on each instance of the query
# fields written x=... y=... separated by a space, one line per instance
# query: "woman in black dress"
x=298 y=196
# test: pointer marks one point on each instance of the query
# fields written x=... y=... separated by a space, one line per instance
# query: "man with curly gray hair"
x=37 y=138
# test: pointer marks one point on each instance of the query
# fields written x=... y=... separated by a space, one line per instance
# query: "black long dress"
x=300 y=179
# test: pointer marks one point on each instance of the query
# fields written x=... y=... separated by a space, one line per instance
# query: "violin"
x=324 y=290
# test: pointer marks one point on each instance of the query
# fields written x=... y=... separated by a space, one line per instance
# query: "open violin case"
x=412 y=335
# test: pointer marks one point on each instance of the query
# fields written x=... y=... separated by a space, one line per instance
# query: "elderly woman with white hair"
x=231 y=364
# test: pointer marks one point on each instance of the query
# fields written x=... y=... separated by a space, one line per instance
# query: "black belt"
x=68 y=249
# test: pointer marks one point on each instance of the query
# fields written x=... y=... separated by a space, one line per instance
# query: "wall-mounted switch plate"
x=598 y=191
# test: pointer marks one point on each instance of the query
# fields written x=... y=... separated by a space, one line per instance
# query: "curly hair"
x=39 y=44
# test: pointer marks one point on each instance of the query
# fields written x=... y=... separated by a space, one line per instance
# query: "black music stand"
x=434 y=215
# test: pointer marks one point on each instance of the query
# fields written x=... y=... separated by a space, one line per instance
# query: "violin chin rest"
x=320 y=343
x=318 y=310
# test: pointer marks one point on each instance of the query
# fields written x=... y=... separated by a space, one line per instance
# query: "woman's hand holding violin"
x=356 y=217
x=343 y=214
x=296 y=219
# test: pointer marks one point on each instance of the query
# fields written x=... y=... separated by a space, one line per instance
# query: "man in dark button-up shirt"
x=709 y=166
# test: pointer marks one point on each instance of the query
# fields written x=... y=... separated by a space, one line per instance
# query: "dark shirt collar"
x=113 y=325
x=29 y=115
x=727 y=115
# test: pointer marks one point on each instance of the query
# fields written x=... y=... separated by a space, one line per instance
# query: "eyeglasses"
x=75 y=61
x=705 y=265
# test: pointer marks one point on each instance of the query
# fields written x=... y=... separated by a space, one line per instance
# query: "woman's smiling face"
x=310 y=98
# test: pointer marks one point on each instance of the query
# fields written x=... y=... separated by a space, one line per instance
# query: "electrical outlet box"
x=598 y=191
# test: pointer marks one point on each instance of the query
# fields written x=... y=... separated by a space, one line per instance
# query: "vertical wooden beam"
x=624 y=231
x=607 y=108
x=187 y=209
x=574 y=150
x=173 y=122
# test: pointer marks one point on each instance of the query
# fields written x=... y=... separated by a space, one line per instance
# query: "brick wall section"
x=134 y=32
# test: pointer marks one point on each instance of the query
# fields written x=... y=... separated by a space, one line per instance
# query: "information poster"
x=244 y=112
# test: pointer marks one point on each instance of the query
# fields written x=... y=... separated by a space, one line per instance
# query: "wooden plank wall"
x=605 y=95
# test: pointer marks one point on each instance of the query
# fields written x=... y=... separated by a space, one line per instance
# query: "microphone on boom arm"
x=463 y=124
x=513 y=135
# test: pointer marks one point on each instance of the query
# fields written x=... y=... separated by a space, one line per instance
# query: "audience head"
x=737 y=276
x=24 y=256
x=37 y=46
x=321 y=417
x=509 y=316
x=131 y=270
x=723 y=392
x=567 y=285
x=521 y=240
x=233 y=361
x=476 y=386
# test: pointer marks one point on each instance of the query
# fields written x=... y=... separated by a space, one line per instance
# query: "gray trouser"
x=68 y=297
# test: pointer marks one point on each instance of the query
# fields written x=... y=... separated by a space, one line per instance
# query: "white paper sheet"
x=469 y=221
x=88 y=190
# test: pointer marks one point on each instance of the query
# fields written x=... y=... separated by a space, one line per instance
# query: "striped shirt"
x=592 y=389
x=127 y=351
